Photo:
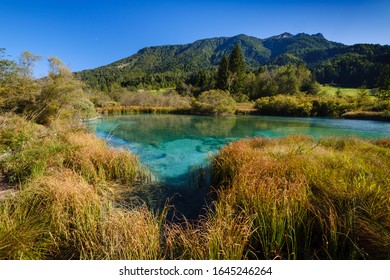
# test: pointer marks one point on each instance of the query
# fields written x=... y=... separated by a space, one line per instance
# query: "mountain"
x=169 y=64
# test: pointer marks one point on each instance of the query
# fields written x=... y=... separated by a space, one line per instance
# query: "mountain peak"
x=284 y=35
x=287 y=35
x=320 y=35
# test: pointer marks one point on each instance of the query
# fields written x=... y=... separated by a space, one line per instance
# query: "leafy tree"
x=18 y=89
x=384 y=80
x=223 y=74
x=27 y=63
x=287 y=80
x=60 y=92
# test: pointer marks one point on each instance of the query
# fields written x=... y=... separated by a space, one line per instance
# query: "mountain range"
x=331 y=62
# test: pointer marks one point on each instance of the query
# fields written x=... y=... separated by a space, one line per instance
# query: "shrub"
x=284 y=105
x=151 y=99
x=16 y=132
x=331 y=106
x=302 y=105
x=214 y=102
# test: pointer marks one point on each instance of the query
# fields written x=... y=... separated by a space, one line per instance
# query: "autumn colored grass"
x=123 y=110
x=283 y=198
x=309 y=199
x=66 y=206
x=367 y=115
x=61 y=216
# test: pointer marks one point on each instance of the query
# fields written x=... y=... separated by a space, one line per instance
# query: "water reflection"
x=174 y=146
x=170 y=145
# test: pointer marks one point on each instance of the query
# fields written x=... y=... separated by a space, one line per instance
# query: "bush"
x=283 y=105
x=216 y=102
x=330 y=106
x=16 y=132
x=303 y=105
x=150 y=99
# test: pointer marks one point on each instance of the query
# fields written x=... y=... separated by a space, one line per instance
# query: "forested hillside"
x=171 y=66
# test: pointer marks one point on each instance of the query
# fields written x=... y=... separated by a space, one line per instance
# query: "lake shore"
x=242 y=109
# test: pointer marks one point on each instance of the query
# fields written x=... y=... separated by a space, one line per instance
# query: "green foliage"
x=214 y=102
x=57 y=96
x=306 y=105
x=236 y=71
x=284 y=106
x=149 y=99
x=289 y=80
x=223 y=74
x=18 y=90
x=168 y=66
x=332 y=63
x=383 y=94
x=60 y=91
x=354 y=66
x=16 y=132
x=298 y=44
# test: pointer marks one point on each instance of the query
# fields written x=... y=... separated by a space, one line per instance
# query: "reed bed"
x=309 y=199
x=284 y=198
x=61 y=216
x=124 y=110
x=67 y=204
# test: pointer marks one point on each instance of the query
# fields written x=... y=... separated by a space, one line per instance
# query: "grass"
x=284 y=198
x=344 y=91
x=61 y=216
x=73 y=149
x=123 y=110
x=326 y=199
x=367 y=115
x=67 y=206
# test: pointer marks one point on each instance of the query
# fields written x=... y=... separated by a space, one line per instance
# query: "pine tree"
x=237 y=71
x=223 y=74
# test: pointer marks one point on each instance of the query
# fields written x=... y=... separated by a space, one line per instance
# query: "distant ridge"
x=318 y=53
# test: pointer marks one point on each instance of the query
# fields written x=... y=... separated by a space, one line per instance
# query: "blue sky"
x=90 y=33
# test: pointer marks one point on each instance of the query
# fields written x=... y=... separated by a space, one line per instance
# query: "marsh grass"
x=220 y=235
x=124 y=110
x=284 y=198
x=75 y=149
x=309 y=199
x=67 y=206
x=61 y=216
x=91 y=157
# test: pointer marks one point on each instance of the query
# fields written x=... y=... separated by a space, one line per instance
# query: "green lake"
x=173 y=147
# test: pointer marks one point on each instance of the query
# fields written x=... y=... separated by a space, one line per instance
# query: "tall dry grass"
x=67 y=206
x=62 y=216
x=220 y=235
x=309 y=199
x=285 y=198
x=71 y=148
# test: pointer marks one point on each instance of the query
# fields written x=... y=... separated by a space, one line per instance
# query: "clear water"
x=174 y=145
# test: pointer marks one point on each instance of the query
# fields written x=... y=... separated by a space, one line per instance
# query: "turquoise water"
x=173 y=146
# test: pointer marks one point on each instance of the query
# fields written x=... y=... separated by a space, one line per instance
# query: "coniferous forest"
x=196 y=65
